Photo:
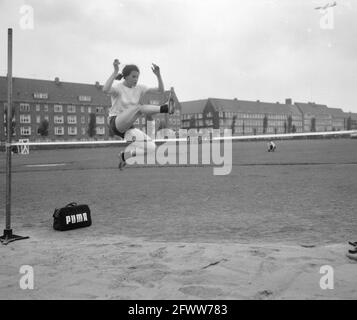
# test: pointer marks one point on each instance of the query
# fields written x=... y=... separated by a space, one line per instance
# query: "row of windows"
x=58 y=131
x=26 y=107
x=252 y=115
x=44 y=96
x=230 y=115
x=26 y=118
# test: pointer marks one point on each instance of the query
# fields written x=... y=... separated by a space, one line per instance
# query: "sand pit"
x=74 y=265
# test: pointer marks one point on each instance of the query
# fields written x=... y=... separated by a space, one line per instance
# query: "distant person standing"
x=271 y=146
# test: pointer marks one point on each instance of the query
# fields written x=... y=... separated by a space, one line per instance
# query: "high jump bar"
x=257 y=137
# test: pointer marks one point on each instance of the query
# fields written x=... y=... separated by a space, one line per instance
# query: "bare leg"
x=126 y=119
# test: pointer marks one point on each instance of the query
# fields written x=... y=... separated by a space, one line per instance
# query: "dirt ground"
x=180 y=232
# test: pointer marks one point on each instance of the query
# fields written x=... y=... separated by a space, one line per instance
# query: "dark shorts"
x=114 y=128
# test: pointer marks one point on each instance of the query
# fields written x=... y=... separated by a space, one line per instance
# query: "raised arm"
x=108 y=85
x=156 y=70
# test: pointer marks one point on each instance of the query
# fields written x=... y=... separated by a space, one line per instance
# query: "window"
x=83 y=131
x=100 y=120
x=85 y=98
x=71 y=109
x=25 y=131
x=38 y=108
x=72 y=131
x=58 y=119
x=38 y=95
x=25 y=118
x=154 y=102
x=100 y=130
x=89 y=110
x=46 y=118
x=82 y=109
x=83 y=120
x=38 y=119
x=72 y=119
x=59 y=131
x=45 y=108
x=58 y=108
x=24 y=107
x=99 y=109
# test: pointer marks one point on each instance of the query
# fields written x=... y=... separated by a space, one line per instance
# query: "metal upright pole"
x=9 y=133
x=8 y=236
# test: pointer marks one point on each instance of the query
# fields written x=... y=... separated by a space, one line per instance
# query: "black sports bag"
x=72 y=216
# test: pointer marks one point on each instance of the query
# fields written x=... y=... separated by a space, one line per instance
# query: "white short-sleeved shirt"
x=123 y=97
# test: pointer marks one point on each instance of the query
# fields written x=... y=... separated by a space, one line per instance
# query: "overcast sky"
x=246 y=49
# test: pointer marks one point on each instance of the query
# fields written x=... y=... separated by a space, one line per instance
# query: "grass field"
x=306 y=192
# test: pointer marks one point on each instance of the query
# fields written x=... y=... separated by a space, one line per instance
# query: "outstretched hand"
x=116 y=64
x=155 y=69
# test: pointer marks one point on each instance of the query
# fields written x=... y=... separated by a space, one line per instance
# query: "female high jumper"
x=126 y=97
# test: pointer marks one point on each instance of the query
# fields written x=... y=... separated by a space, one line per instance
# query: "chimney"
x=288 y=101
x=57 y=80
x=97 y=84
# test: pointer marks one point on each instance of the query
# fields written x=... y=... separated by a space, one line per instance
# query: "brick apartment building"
x=70 y=109
x=256 y=117
x=242 y=117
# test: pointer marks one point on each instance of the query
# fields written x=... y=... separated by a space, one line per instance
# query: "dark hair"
x=127 y=70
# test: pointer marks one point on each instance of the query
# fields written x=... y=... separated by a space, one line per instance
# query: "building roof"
x=313 y=108
x=61 y=92
x=244 y=106
x=353 y=115
x=161 y=98
x=336 y=113
x=193 y=107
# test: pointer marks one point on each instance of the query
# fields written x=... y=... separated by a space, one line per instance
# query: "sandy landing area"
x=73 y=265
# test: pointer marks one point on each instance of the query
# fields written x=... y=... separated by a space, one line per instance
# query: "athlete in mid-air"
x=126 y=97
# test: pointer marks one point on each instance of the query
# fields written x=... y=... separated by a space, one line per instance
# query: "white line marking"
x=46 y=165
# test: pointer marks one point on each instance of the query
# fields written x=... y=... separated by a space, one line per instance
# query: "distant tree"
x=111 y=133
x=285 y=127
x=162 y=125
x=293 y=129
x=265 y=124
x=233 y=127
x=192 y=123
x=349 y=123
x=43 y=128
x=92 y=125
x=13 y=120
x=290 y=124
x=313 y=125
x=243 y=128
